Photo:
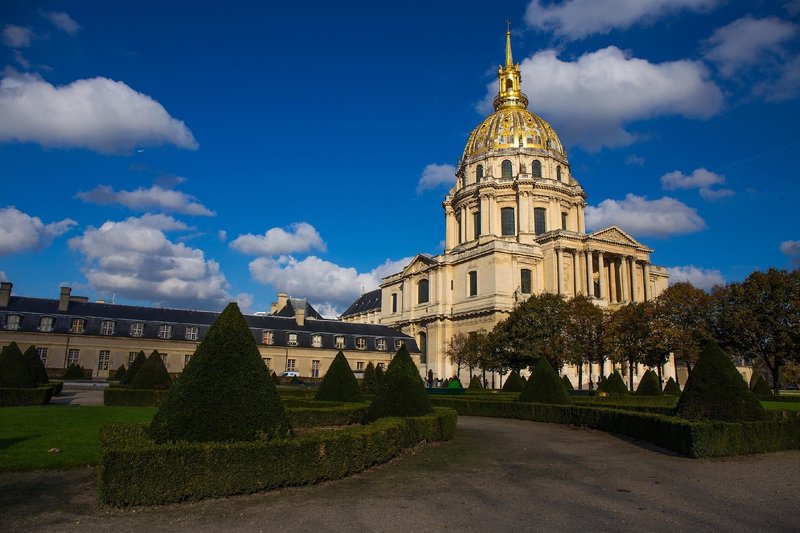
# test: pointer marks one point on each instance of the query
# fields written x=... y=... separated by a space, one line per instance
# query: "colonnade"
x=616 y=281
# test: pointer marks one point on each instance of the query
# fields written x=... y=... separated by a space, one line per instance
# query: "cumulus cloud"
x=434 y=176
x=701 y=278
x=321 y=281
x=20 y=231
x=593 y=98
x=142 y=199
x=744 y=42
x=17 y=36
x=701 y=179
x=577 y=19
x=792 y=250
x=134 y=258
x=98 y=113
x=301 y=237
x=642 y=217
x=222 y=235
x=62 y=21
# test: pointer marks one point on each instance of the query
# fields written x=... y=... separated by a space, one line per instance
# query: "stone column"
x=612 y=277
x=625 y=278
x=589 y=267
x=646 y=275
x=632 y=272
x=602 y=276
x=576 y=278
x=560 y=271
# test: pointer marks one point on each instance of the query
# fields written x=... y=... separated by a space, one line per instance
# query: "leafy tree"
x=339 y=383
x=513 y=383
x=152 y=375
x=544 y=386
x=369 y=385
x=224 y=393
x=649 y=385
x=631 y=335
x=137 y=363
x=14 y=371
x=585 y=335
x=402 y=392
x=120 y=373
x=686 y=313
x=672 y=387
x=457 y=350
x=535 y=329
x=35 y=365
x=475 y=383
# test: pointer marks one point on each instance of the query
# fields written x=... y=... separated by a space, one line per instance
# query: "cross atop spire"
x=509 y=57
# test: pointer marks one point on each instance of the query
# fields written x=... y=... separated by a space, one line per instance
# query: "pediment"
x=419 y=263
x=616 y=235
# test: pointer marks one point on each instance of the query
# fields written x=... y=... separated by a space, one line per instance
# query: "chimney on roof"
x=5 y=293
x=63 y=299
x=300 y=316
x=282 y=299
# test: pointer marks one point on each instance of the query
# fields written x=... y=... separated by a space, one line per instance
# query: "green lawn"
x=781 y=406
x=27 y=433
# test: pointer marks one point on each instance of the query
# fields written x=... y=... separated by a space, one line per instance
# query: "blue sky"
x=191 y=153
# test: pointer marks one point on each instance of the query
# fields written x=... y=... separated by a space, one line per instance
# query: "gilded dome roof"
x=512 y=127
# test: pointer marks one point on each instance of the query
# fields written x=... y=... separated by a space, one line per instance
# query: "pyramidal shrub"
x=513 y=383
x=369 y=385
x=716 y=391
x=544 y=386
x=152 y=375
x=567 y=382
x=455 y=383
x=401 y=393
x=137 y=363
x=224 y=392
x=672 y=388
x=614 y=384
x=35 y=365
x=120 y=373
x=14 y=371
x=379 y=373
x=475 y=383
x=649 y=385
x=74 y=371
x=760 y=387
x=339 y=383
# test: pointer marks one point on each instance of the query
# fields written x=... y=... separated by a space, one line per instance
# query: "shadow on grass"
x=9 y=442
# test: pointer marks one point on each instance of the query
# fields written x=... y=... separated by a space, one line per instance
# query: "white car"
x=290 y=374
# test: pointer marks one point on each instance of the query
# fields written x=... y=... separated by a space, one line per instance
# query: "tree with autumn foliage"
x=585 y=335
x=535 y=329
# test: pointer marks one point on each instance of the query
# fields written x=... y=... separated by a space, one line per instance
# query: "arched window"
x=536 y=168
x=509 y=85
x=507 y=224
x=478 y=173
x=525 y=281
x=422 y=291
x=473 y=283
x=423 y=347
x=539 y=220
x=505 y=169
x=564 y=217
x=558 y=173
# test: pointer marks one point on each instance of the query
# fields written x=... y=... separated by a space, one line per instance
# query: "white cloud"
x=783 y=87
x=744 y=42
x=222 y=235
x=702 y=179
x=301 y=237
x=642 y=217
x=17 y=36
x=701 y=278
x=434 y=176
x=134 y=258
x=62 y=21
x=19 y=231
x=792 y=250
x=3 y=276
x=327 y=284
x=141 y=199
x=593 y=98
x=98 y=113
x=634 y=159
x=577 y=19
x=20 y=59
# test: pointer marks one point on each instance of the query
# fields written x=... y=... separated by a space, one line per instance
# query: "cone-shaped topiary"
x=120 y=373
x=14 y=371
x=513 y=383
x=74 y=371
x=35 y=365
x=649 y=385
x=137 y=363
x=455 y=383
x=567 y=382
x=753 y=379
x=369 y=385
x=379 y=373
x=275 y=379
x=339 y=383
x=152 y=375
x=613 y=384
x=544 y=386
x=672 y=388
x=716 y=391
x=760 y=387
x=401 y=393
x=475 y=383
x=224 y=393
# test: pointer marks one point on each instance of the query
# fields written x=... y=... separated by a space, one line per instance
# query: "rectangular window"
x=107 y=327
x=473 y=283
x=137 y=329
x=340 y=343
x=267 y=362
x=78 y=325
x=476 y=224
x=361 y=343
x=290 y=364
x=191 y=333
x=102 y=363
x=460 y=234
x=164 y=331
x=186 y=359
x=131 y=357
x=163 y=358
x=360 y=366
x=563 y=221
x=539 y=220
x=42 y=355
x=380 y=344
x=316 y=341
x=525 y=281
x=46 y=323
x=292 y=339
x=422 y=291
x=507 y=225
x=73 y=356
x=394 y=302
x=13 y=322
x=397 y=344
x=268 y=338
x=314 y=368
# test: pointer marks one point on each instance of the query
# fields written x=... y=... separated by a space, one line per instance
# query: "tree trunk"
x=660 y=372
x=580 y=376
x=630 y=373
x=776 y=377
x=590 y=375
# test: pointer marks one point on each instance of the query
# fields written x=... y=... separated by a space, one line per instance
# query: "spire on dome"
x=508 y=76
x=509 y=57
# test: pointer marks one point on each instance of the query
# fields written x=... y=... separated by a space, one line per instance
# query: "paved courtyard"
x=497 y=475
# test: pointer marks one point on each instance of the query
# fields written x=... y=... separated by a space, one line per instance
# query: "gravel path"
x=501 y=475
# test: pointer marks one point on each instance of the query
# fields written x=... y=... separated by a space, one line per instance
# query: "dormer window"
x=164 y=331
x=380 y=344
x=192 y=333
x=268 y=338
x=361 y=343
x=46 y=324
x=107 y=327
x=316 y=341
x=339 y=343
x=13 y=322
x=398 y=343
x=292 y=339
x=137 y=329
x=78 y=325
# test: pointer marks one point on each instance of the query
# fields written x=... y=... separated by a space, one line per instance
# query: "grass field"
x=781 y=406
x=27 y=433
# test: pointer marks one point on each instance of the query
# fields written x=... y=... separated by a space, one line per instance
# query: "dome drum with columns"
x=514 y=227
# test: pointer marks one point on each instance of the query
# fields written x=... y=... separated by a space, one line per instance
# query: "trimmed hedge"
x=672 y=388
x=514 y=383
x=369 y=385
x=136 y=364
x=57 y=387
x=402 y=392
x=760 y=387
x=129 y=397
x=687 y=437
x=339 y=383
x=475 y=383
x=318 y=415
x=134 y=470
x=14 y=370
x=544 y=386
x=19 y=397
x=613 y=384
x=649 y=385
x=35 y=365
x=75 y=372
x=152 y=375
x=120 y=373
x=567 y=383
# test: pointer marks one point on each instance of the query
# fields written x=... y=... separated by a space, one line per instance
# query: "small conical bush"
x=379 y=373
x=401 y=393
x=475 y=383
x=513 y=383
x=649 y=385
x=152 y=375
x=339 y=383
x=15 y=373
x=455 y=383
x=672 y=388
x=35 y=365
x=614 y=384
x=224 y=392
x=74 y=371
x=120 y=373
x=137 y=363
x=369 y=385
x=716 y=391
x=544 y=386
x=567 y=382
x=761 y=388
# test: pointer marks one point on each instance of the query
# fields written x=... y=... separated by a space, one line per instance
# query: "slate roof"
x=298 y=303
x=32 y=309
x=366 y=302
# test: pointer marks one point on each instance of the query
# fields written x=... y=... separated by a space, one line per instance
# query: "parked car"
x=289 y=374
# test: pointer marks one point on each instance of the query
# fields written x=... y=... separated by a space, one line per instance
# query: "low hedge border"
x=133 y=470
x=338 y=414
x=653 y=409
x=785 y=398
x=690 y=438
x=19 y=397
x=125 y=397
x=57 y=387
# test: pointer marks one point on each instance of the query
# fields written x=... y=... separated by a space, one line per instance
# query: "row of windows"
x=507 y=170
x=508 y=224
x=291 y=366
x=268 y=338
x=472 y=279
x=107 y=327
